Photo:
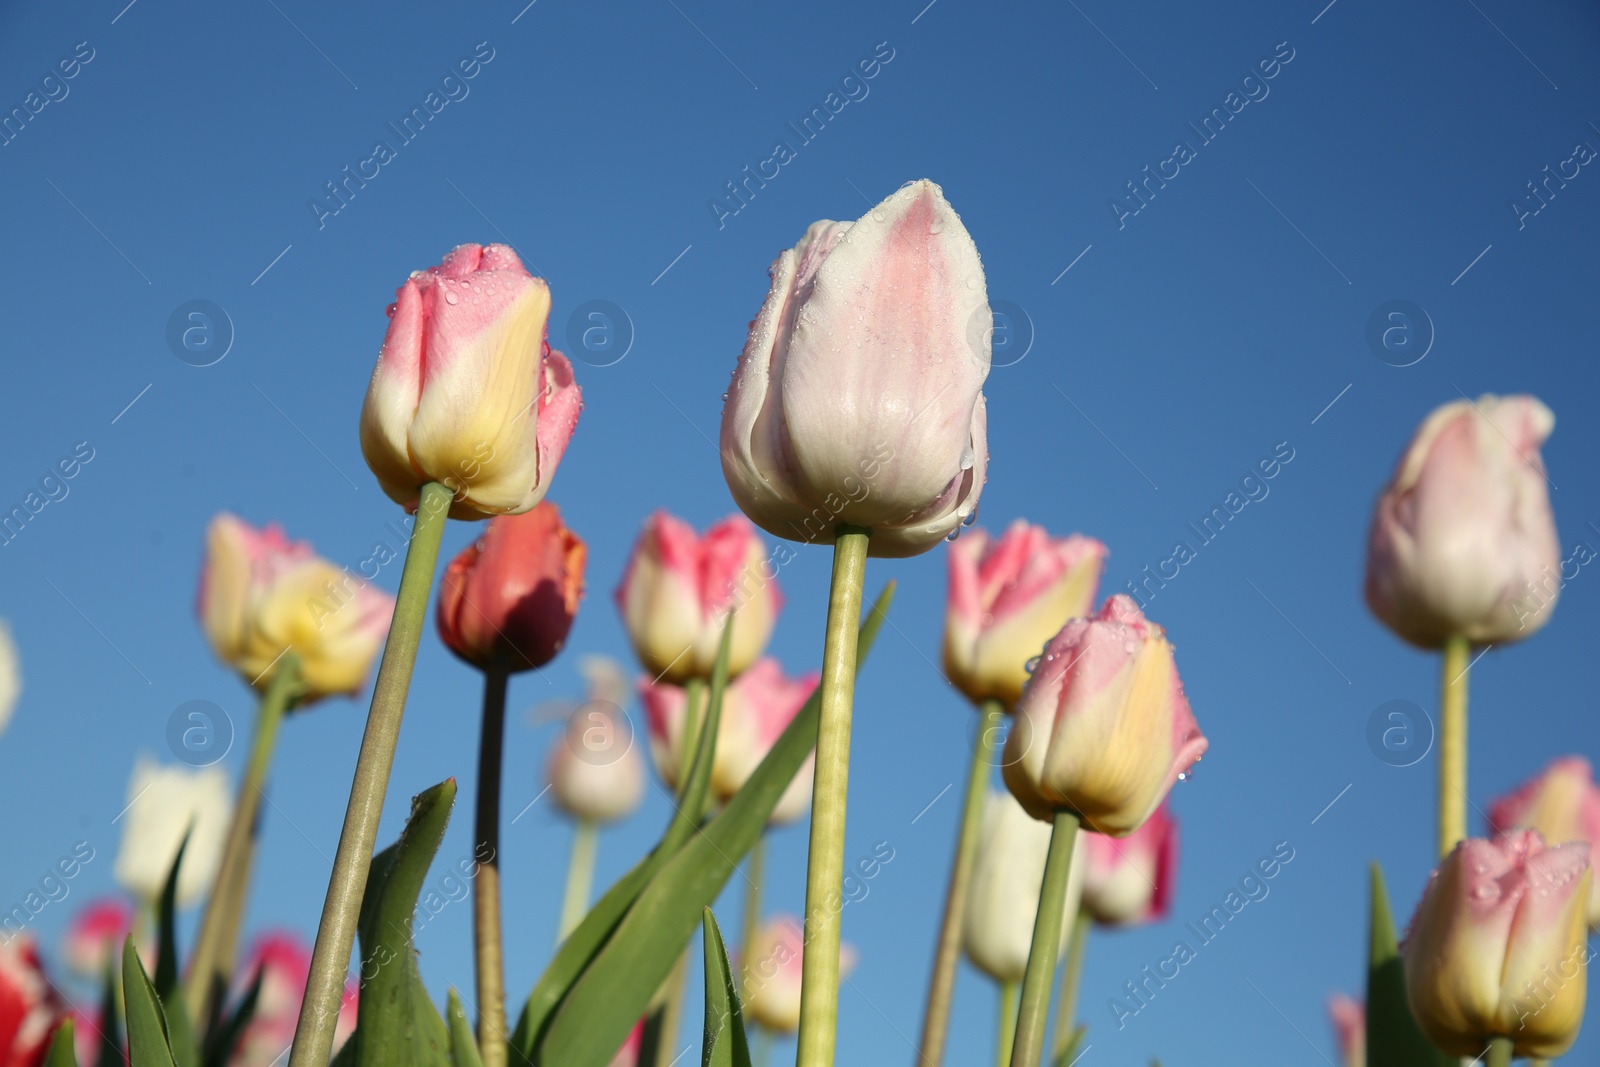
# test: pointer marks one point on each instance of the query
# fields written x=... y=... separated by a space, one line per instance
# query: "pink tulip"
x=30 y=1007
x=1103 y=728
x=772 y=967
x=1498 y=947
x=1463 y=543
x=467 y=392
x=679 y=588
x=1349 y=1018
x=95 y=936
x=509 y=598
x=1008 y=596
x=858 y=398
x=262 y=595
x=284 y=962
x=1562 y=803
x=595 y=771
x=628 y=1054
x=756 y=708
x=1128 y=881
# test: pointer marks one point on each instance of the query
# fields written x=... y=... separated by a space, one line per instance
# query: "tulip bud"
x=596 y=773
x=772 y=969
x=262 y=595
x=756 y=708
x=467 y=392
x=1497 y=946
x=30 y=1007
x=1563 y=804
x=1463 y=543
x=95 y=936
x=858 y=398
x=1130 y=880
x=1103 y=727
x=1008 y=596
x=1003 y=898
x=679 y=587
x=510 y=597
x=1349 y=1018
x=164 y=803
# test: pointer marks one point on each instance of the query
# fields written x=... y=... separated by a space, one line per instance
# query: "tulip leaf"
x=397 y=1025
x=1393 y=1039
x=591 y=934
x=61 y=1052
x=180 y=1031
x=224 y=1036
x=1069 y=1052
x=463 y=1046
x=725 y=1043
x=110 y=1043
x=147 y=1027
x=613 y=991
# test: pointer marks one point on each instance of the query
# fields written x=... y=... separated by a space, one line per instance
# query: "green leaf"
x=725 y=1044
x=613 y=991
x=61 y=1053
x=180 y=1031
x=110 y=1015
x=576 y=952
x=147 y=1029
x=463 y=1046
x=397 y=1025
x=1393 y=1039
x=220 y=1042
x=1069 y=1052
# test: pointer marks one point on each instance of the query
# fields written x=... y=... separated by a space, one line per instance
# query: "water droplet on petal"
x=936 y=226
x=880 y=215
x=953 y=534
x=450 y=297
x=1485 y=892
x=1032 y=665
x=974 y=281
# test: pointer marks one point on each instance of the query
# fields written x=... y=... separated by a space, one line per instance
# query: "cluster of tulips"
x=855 y=420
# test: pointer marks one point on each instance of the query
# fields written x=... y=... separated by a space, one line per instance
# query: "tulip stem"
x=1071 y=981
x=1041 y=972
x=819 y=989
x=1453 y=743
x=947 y=954
x=487 y=949
x=580 y=878
x=212 y=962
x=336 y=931
x=1008 y=1023
x=752 y=899
x=1499 y=1052
x=693 y=691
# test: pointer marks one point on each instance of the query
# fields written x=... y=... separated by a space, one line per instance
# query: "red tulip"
x=30 y=1009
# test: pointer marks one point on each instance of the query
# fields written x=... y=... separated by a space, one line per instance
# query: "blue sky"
x=1171 y=349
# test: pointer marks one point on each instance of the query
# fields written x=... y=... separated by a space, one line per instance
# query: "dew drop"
x=880 y=216
x=1484 y=892
x=1032 y=665
x=972 y=517
x=1184 y=776
x=936 y=226
x=974 y=281
x=450 y=297
x=953 y=534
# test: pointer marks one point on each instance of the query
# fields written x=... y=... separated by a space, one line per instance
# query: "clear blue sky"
x=1184 y=344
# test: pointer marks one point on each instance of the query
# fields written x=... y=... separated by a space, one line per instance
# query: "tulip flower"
x=1497 y=947
x=772 y=967
x=95 y=936
x=262 y=595
x=1463 y=543
x=1349 y=1018
x=1563 y=804
x=1130 y=880
x=10 y=676
x=1103 y=728
x=284 y=961
x=1001 y=907
x=756 y=708
x=679 y=588
x=858 y=397
x=594 y=769
x=30 y=1007
x=164 y=803
x=510 y=597
x=1008 y=596
x=467 y=392
x=628 y=1054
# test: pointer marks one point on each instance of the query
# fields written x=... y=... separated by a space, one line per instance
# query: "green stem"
x=1008 y=1023
x=1453 y=743
x=754 y=872
x=580 y=877
x=819 y=989
x=212 y=961
x=1071 y=981
x=947 y=953
x=693 y=693
x=1498 y=1053
x=336 y=932
x=1041 y=972
x=488 y=950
